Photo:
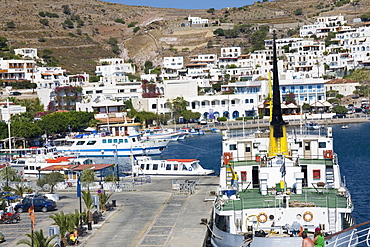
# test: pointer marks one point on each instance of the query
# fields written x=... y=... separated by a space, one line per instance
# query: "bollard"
x=114 y=203
x=89 y=226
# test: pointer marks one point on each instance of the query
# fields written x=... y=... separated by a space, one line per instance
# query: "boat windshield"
x=194 y=165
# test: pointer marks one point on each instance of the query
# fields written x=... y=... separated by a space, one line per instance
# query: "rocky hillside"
x=79 y=32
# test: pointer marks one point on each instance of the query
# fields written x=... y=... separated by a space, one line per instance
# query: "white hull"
x=170 y=167
x=105 y=146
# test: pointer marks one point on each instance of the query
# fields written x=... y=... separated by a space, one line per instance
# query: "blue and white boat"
x=312 y=126
x=117 y=139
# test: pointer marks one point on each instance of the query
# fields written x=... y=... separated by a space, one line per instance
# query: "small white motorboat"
x=145 y=165
x=345 y=126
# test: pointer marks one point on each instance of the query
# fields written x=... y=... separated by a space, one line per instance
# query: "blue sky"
x=185 y=4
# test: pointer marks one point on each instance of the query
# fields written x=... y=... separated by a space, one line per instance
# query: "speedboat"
x=170 y=167
x=312 y=126
x=345 y=126
x=159 y=133
x=276 y=184
x=215 y=130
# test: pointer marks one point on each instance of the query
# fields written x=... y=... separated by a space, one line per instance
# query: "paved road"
x=126 y=226
x=153 y=215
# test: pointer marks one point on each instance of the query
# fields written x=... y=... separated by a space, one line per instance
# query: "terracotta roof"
x=340 y=81
x=97 y=167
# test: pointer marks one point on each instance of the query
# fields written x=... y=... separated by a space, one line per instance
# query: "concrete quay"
x=152 y=215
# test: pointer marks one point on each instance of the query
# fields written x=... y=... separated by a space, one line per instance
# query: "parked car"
x=339 y=115
x=39 y=203
x=15 y=93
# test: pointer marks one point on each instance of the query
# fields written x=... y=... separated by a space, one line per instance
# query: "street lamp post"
x=116 y=161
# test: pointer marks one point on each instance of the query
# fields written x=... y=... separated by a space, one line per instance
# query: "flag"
x=79 y=186
x=31 y=211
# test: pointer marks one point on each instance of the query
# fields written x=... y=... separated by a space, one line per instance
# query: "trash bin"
x=89 y=226
x=114 y=203
x=95 y=217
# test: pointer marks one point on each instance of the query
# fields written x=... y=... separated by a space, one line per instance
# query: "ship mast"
x=278 y=138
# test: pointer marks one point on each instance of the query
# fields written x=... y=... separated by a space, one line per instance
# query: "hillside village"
x=227 y=84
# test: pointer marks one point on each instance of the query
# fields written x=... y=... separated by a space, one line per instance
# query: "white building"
x=50 y=77
x=27 y=53
x=16 y=69
x=197 y=20
x=9 y=109
x=173 y=62
x=113 y=71
x=234 y=51
x=343 y=86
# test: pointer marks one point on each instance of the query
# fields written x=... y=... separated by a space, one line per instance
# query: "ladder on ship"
x=332 y=214
x=229 y=176
x=329 y=175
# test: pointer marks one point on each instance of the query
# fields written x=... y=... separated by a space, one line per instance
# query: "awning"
x=45 y=74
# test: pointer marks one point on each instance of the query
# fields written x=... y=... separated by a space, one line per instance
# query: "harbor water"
x=351 y=145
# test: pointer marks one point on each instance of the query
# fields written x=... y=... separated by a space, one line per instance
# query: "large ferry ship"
x=276 y=184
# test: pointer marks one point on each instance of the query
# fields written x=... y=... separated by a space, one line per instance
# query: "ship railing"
x=308 y=199
x=357 y=235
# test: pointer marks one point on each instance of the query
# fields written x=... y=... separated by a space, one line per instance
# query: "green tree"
x=211 y=11
x=189 y=115
x=65 y=226
x=103 y=199
x=3 y=43
x=44 y=22
x=39 y=239
x=177 y=106
x=10 y=25
x=136 y=29
x=258 y=37
x=66 y=9
x=119 y=20
x=219 y=32
x=298 y=11
x=86 y=196
x=68 y=24
x=359 y=75
x=88 y=177
x=148 y=65
x=50 y=179
x=306 y=107
x=10 y=174
x=338 y=109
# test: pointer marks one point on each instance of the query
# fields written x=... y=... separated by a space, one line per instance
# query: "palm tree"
x=103 y=199
x=86 y=196
x=64 y=223
x=74 y=218
x=39 y=240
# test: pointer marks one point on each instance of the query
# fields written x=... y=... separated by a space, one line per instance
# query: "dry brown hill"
x=78 y=47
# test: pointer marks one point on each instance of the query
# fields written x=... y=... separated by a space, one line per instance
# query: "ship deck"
x=252 y=198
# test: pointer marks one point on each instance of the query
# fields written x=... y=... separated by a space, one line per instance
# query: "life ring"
x=122 y=134
x=262 y=217
x=308 y=216
x=328 y=154
x=227 y=157
x=190 y=169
